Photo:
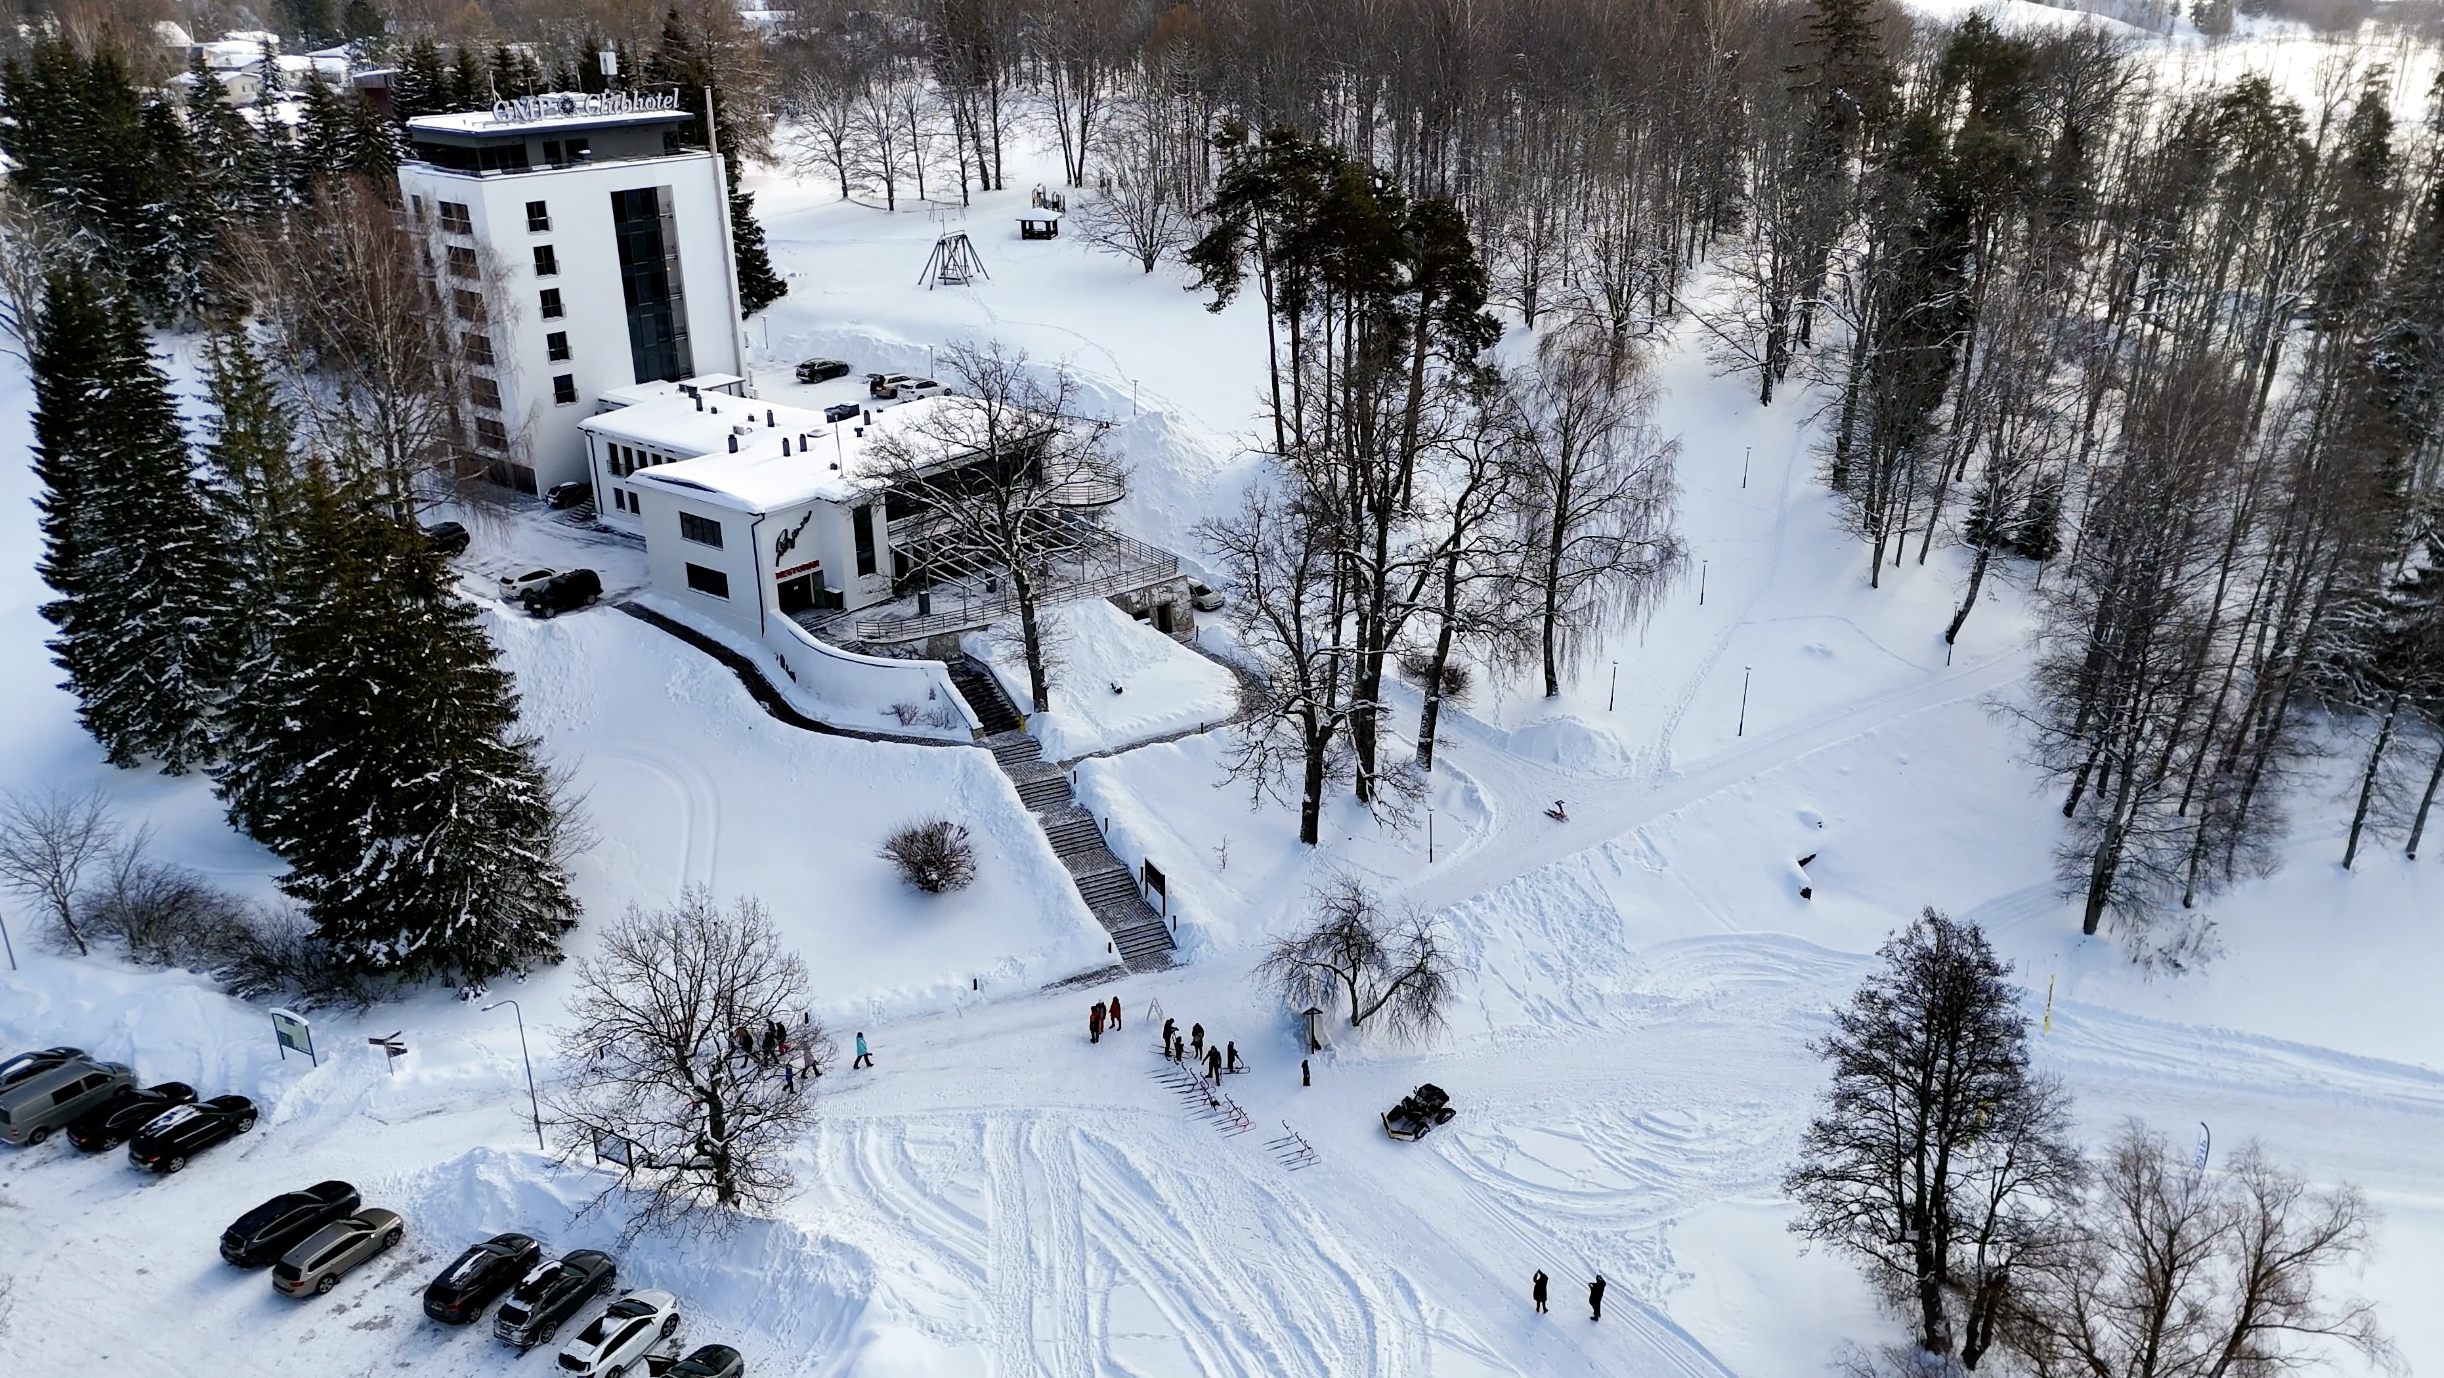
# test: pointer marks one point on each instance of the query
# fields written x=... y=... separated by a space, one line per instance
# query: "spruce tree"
x=361 y=22
x=251 y=485
x=135 y=553
x=422 y=84
x=470 y=85
x=375 y=748
x=758 y=285
x=228 y=149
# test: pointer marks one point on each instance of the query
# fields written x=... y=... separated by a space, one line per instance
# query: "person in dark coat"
x=1094 y=1022
x=1179 y=1047
x=1113 y=1018
x=1213 y=1064
x=1171 y=1030
x=1230 y=1058
x=1303 y=1078
x=1536 y=1289
x=1196 y=1040
x=1595 y=1298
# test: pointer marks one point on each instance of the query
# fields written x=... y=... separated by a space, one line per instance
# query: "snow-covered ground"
x=1115 y=681
x=998 y=1196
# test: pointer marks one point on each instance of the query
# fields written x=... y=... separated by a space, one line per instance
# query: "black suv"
x=483 y=1272
x=263 y=1234
x=116 y=1120
x=549 y=1295
x=446 y=538
x=169 y=1139
x=821 y=370
x=563 y=592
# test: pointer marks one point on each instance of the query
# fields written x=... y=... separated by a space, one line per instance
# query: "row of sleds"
x=1419 y=1113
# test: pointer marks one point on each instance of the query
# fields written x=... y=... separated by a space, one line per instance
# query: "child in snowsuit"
x=1094 y=1022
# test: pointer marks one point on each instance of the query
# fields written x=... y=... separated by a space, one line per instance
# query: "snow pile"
x=687 y=782
x=1115 y=681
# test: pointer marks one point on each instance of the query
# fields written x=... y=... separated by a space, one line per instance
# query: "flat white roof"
x=655 y=391
x=557 y=110
x=827 y=461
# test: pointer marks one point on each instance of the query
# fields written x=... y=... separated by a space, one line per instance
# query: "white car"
x=512 y=585
x=615 y=1345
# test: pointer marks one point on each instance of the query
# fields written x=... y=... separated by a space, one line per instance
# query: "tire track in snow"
x=699 y=802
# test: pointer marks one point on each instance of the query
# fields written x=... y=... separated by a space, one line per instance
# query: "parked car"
x=619 y=1337
x=550 y=1294
x=514 y=586
x=563 y=592
x=169 y=1139
x=480 y=1274
x=447 y=538
x=841 y=411
x=1204 y=598
x=886 y=386
x=52 y=1091
x=316 y=1265
x=821 y=370
x=117 y=1119
x=915 y=388
x=706 y=1361
x=569 y=494
x=24 y=1065
x=263 y=1234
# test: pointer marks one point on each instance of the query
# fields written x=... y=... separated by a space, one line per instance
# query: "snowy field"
x=999 y=1197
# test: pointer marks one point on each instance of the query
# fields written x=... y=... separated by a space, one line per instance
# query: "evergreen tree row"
x=270 y=618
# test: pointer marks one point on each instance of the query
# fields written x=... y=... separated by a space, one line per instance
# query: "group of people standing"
x=1216 y=1058
x=797 y=1057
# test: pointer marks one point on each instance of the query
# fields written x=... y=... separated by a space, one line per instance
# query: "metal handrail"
x=1135 y=565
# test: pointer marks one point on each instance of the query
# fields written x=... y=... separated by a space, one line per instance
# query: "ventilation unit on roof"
x=734 y=444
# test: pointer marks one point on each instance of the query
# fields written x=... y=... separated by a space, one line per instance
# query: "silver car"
x=41 y=1092
x=315 y=1266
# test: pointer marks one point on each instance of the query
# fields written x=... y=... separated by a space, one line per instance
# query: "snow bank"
x=1163 y=687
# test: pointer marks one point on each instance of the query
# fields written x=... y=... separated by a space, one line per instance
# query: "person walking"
x=789 y=1078
x=864 y=1058
x=1303 y=1078
x=1230 y=1058
x=1113 y=1018
x=776 y=1040
x=743 y=1043
x=1595 y=1298
x=1536 y=1289
x=1196 y=1039
x=1094 y=1022
x=1213 y=1064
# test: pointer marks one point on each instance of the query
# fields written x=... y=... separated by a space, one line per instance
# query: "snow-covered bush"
x=933 y=855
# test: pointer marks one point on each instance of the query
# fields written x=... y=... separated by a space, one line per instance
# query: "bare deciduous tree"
x=1598 y=496
x=1008 y=479
x=1356 y=953
x=1936 y=1153
x=48 y=841
x=1138 y=212
x=364 y=334
x=2170 y=1272
x=654 y=1066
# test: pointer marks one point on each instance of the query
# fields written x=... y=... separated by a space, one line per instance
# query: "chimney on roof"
x=699 y=398
x=784 y=447
x=733 y=444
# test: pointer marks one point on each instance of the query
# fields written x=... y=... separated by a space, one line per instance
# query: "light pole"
x=531 y=1103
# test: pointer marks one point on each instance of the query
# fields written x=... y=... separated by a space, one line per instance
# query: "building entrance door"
x=797 y=595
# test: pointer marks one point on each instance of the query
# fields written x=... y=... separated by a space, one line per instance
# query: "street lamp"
x=531 y=1103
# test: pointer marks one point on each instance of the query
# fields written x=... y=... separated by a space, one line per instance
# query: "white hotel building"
x=581 y=251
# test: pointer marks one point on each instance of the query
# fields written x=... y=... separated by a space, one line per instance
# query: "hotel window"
x=487 y=394
x=418 y=202
x=863 y=523
x=564 y=388
x=454 y=219
x=490 y=434
x=551 y=303
x=547 y=263
x=699 y=530
x=469 y=305
x=538 y=217
x=556 y=345
x=711 y=581
x=462 y=262
x=479 y=348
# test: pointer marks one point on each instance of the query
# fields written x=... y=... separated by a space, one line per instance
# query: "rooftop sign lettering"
x=569 y=105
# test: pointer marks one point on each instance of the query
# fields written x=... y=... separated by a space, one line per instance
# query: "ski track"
x=700 y=802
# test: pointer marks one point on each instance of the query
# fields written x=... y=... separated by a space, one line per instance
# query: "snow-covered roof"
x=825 y=460
x=657 y=390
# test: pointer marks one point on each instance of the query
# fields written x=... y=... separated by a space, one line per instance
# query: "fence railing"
x=1113 y=565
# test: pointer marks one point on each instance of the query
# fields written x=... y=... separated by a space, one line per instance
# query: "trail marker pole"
x=2049 y=1004
x=1701 y=583
x=1429 y=837
x=1614 y=692
x=1745 y=672
x=1745 y=452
